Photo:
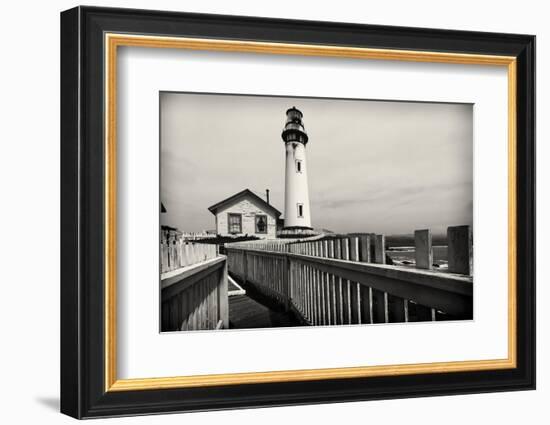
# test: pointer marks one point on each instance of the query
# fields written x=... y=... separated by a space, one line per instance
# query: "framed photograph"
x=261 y=212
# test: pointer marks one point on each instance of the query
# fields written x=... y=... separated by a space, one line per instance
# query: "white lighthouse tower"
x=297 y=212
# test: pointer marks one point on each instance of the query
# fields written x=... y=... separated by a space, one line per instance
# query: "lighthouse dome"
x=294 y=130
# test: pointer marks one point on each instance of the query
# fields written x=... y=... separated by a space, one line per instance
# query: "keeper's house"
x=245 y=213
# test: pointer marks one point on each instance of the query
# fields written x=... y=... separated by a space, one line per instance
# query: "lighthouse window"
x=235 y=223
x=298 y=166
x=300 y=210
x=261 y=224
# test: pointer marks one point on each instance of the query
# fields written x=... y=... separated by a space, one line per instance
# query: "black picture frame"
x=83 y=392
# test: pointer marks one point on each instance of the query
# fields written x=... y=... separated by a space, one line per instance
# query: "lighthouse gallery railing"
x=344 y=281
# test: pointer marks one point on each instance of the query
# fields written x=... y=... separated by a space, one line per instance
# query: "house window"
x=235 y=223
x=261 y=224
x=300 y=210
x=298 y=165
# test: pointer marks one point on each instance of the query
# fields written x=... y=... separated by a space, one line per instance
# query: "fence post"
x=337 y=249
x=223 y=298
x=380 y=249
x=459 y=249
x=364 y=248
x=354 y=248
x=340 y=283
x=423 y=249
x=245 y=266
x=345 y=248
x=287 y=282
x=379 y=306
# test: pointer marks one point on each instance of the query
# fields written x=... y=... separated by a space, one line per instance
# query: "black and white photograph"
x=330 y=212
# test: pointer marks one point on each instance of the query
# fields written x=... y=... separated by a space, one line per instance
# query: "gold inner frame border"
x=113 y=40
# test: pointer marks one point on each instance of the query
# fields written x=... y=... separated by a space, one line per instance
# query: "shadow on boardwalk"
x=252 y=311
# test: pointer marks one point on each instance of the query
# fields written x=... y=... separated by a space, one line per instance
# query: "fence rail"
x=195 y=297
x=346 y=280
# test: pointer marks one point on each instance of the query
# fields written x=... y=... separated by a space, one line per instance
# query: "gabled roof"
x=243 y=194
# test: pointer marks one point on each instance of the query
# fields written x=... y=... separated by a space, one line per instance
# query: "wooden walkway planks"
x=246 y=313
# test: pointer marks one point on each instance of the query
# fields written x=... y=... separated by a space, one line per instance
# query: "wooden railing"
x=346 y=281
x=176 y=253
x=195 y=297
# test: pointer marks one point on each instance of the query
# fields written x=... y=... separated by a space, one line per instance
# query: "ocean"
x=404 y=256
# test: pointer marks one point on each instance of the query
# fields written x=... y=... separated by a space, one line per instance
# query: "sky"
x=373 y=166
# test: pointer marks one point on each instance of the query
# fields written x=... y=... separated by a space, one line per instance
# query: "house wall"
x=248 y=210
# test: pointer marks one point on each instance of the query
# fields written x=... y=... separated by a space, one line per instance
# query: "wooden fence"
x=195 y=297
x=192 y=236
x=345 y=280
x=176 y=253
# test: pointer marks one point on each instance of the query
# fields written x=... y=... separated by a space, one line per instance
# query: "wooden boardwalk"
x=246 y=313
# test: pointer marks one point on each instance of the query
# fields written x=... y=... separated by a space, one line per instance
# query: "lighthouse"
x=297 y=214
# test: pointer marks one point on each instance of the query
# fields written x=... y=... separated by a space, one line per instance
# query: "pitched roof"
x=244 y=193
